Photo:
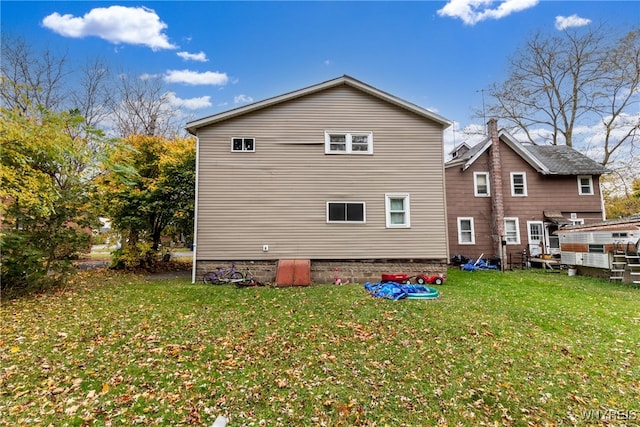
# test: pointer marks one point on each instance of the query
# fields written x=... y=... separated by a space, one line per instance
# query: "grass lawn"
x=519 y=348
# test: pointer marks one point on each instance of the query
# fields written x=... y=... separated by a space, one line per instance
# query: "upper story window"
x=481 y=184
x=518 y=184
x=347 y=212
x=585 y=185
x=348 y=142
x=242 y=144
x=397 y=210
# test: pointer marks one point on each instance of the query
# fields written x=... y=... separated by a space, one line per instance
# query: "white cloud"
x=200 y=56
x=564 y=22
x=242 y=99
x=190 y=104
x=473 y=11
x=116 y=24
x=195 y=78
x=147 y=76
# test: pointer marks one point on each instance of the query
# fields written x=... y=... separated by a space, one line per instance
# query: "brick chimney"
x=497 y=198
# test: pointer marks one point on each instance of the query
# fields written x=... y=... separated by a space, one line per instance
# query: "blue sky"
x=216 y=56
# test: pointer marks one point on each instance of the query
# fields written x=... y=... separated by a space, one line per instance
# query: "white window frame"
x=346 y=221
x=475 y=184
x=406 y=209
x=516 y=222
x=244 y=139
x=582 y=193
x=524 y=184
x=472 y=231
x=349 y=136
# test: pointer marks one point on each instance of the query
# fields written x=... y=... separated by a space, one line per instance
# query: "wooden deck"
x=546 y=263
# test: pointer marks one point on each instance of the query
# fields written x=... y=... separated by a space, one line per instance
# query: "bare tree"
x=94 y=93
x=581 y=78
x=30 y=77
x=618 y=99
x=141 y=107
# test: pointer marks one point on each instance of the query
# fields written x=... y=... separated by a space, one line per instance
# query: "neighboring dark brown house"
x=505 y=197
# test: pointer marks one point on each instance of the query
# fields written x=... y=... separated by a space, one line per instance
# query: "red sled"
x=421 y=279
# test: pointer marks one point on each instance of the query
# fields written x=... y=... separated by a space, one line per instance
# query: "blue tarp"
x=395 y=291
x=478 y=265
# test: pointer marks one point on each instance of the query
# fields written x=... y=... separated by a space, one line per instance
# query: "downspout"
x=497 y=198
x=602 y=205
x=195 y=214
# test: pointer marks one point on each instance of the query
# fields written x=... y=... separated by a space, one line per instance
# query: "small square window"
x=242 y=144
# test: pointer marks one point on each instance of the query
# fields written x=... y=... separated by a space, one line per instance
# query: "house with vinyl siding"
x=340 y=174
x=507 y=199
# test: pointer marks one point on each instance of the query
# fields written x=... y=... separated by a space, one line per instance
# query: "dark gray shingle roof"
x=563 y=160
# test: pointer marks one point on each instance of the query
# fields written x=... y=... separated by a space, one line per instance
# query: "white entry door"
x=536 y=237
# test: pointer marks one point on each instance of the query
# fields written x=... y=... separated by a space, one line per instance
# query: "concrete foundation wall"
x=326 y=271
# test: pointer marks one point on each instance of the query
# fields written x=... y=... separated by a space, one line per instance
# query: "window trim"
x=243 y=138
x=591 y=189
x=475 y=184
x=516 y=220
x=348 y=142
x=524 y=184
x=407 y=209
x=346 y=221
x=472 y=231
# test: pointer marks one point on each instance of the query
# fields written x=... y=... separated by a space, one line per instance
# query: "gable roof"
x=194 y=125
x=546 y=159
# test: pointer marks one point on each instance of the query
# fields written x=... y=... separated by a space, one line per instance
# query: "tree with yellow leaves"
x=160 y=192
x=46 y=194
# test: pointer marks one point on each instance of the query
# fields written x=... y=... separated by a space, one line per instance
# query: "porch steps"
x=633 y=263
x=293 y=272
x=618 y=266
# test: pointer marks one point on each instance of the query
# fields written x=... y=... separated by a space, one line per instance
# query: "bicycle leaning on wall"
x=223 y=275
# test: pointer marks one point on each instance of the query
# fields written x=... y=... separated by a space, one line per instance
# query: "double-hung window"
x=481 y=184
x=243 y=144
x=512 y=231
x=397 y=210
x=346 y=212
x=585 y=185
x=518 y=184
x=466 y=234
x=348 y=142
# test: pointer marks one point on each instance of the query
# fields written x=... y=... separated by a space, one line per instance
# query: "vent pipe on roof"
x=497 y=198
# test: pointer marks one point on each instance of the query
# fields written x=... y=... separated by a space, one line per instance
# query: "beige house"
x=340 y=173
